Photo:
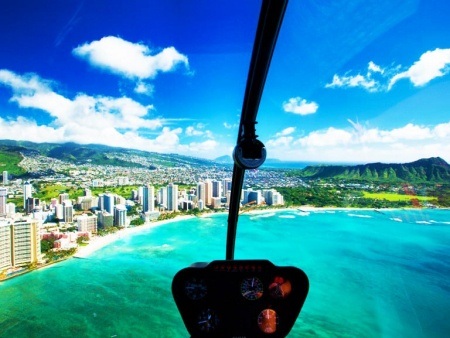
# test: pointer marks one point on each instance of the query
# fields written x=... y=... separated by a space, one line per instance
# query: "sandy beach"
x=99 y=242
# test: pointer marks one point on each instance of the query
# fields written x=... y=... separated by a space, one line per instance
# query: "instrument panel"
x=239 y=298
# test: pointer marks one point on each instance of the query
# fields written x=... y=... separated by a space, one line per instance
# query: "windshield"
x=118 y=122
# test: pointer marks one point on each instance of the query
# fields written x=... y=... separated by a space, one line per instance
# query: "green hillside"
x=434 y=170
x=102 y=155
x=9 y=160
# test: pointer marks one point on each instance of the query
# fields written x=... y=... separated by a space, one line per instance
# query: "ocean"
x=372 y=274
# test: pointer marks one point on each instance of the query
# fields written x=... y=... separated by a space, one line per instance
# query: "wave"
x=265 y=215
x=287 y=216
x=396 y=219
x=439 y=222
x=302 y=213
x=360 y=216
x=423 y=222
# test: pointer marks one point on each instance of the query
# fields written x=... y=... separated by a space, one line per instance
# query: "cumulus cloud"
x=431 y=64
x=144 y=88
x=198 y=130
x=359 y=143
x=300 y=106
x=365 y=81
x=131 y=60
x=115 y=121
x=285 y=132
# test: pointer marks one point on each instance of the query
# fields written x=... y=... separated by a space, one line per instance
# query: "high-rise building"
x=63 y=197
x=3 y=197
x=148 y=200
x=19 y=243
x=216 y=188
x=59 y=212
x=31 y=204
x=87 y=223
x=68 y=211
x=172 y=197
x=226 y=185
x=120 y=215
x=10 y=210
x=5 y=178
x=162 y=197
x=201 y=193
x=208 y=192
x=105 y=219
x=109 y=202
x=26 y=193
x=216 y=202
x=5 y=245
x=255 y=197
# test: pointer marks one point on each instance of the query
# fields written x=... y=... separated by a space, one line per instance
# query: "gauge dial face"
x=207 y=320
x=268 y=321
x=280 y=287
x=252 y=288
x=195 y=288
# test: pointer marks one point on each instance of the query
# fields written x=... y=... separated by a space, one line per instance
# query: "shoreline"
x=98 y=242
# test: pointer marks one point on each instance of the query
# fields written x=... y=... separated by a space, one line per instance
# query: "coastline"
x=99 y=242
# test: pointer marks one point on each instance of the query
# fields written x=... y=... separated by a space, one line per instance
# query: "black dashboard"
x=239 y=298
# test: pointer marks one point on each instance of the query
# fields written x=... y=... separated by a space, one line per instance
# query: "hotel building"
x=19 y=243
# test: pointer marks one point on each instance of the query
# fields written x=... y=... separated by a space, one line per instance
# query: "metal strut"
x=250 y=153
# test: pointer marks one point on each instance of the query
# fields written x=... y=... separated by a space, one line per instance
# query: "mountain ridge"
x=433 y=169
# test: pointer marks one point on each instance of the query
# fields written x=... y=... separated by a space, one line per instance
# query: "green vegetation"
x=53 y=256
x=9 y=161
x=47 y=191
x=395 y=197
x=137 y=221
x=433 y=169
x=327 y=195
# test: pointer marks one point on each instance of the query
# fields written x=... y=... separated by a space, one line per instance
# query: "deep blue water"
x=372 y=274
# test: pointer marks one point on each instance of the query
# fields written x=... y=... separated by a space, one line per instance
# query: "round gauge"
x=280 y=287
x=207 y=320
x=268 y=321
x=252 y=288
x=195 y=288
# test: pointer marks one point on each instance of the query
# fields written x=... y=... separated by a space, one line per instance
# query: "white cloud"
x=300 y=106
x=374 y=68
x=285 y=132
x=328 y=137
x=230 y=126
x=353 y=81
x=431 y=64
x=281 y=141
x=191 y=131
x=132 y=60
x=361 y=144
x=85 y=119
x=198 y=130
x=144 y=88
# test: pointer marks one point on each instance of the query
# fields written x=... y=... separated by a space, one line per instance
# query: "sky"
x=350 y=81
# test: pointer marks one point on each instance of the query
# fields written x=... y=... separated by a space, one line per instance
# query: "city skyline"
x=364 y=82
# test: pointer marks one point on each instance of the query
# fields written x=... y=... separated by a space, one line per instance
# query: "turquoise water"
x=372 y=275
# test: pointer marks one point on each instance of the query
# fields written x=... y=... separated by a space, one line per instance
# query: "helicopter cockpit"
x=244 y=298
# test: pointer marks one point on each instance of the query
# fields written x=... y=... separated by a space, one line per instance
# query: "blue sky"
x=350 y=81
